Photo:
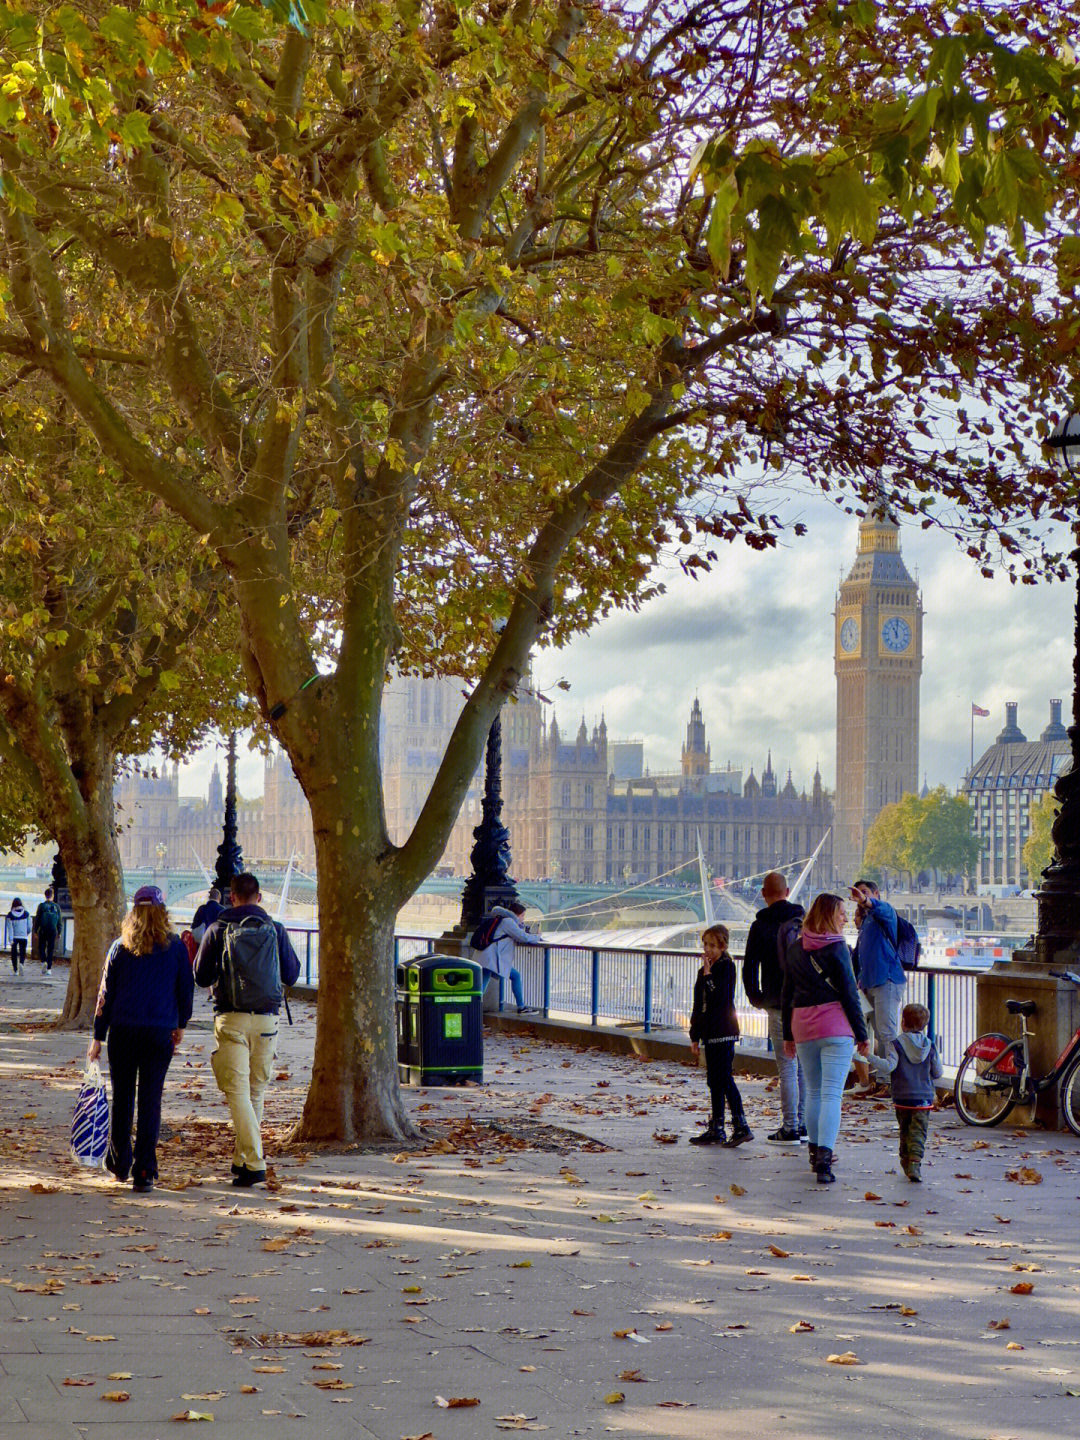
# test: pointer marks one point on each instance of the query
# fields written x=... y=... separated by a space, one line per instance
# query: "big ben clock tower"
x=878 y=643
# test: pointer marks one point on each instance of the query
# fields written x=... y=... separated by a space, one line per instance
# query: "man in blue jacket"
x=881 y=976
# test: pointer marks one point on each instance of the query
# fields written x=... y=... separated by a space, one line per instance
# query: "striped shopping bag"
x=90 y=1123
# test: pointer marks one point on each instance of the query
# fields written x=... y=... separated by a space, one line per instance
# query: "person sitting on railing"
x=497 y=958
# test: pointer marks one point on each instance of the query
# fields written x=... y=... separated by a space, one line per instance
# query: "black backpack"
x=908 y=947
x=250 y=979
x=484 y=934
x=787 y=933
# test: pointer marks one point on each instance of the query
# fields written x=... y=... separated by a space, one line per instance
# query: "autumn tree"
x=924 y=832
x=103 y=651
x=886 y=846
x=1038 y=849
x=443 y=321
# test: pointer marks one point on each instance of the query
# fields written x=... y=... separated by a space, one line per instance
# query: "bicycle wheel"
x=1069 y=1090
x=985 y=1089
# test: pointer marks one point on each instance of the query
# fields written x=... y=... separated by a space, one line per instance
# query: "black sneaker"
x=739 y=1136
x=142 y=1184
x=245 y=1177
x=783 y=1136
x=804 y=1135
x=711 y=1135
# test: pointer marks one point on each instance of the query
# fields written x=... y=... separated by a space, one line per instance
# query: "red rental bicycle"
x=995 y=1074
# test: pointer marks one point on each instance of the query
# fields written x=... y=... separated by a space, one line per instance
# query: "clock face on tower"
x=849 y=635
x=896 y=634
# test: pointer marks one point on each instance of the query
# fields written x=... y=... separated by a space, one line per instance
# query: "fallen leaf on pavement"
x=635 y=1375
x=615 y=1398
x=75 y=1380
x=118 y=1395
x=736 y=1190
x=847 y=1357
x=801 y=1327
x=665 y=1137
x=192 y=1415
x=998 y=1325
x=780 y=1254
x=456 y=1402
x=1022 y=1287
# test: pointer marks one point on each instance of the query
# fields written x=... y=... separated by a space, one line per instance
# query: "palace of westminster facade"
x=583 y=808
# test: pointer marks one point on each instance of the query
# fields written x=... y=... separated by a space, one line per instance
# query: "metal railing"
x=654 y=989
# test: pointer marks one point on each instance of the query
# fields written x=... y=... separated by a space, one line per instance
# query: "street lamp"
x=230 y=861
x=1058 y=898
x=489 y=884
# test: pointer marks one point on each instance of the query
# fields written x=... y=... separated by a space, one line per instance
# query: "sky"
x=753 y=641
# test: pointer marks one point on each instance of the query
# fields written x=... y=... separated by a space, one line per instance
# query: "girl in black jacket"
x=714 y=1024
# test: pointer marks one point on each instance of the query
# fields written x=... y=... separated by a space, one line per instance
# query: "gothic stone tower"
x=879 y=651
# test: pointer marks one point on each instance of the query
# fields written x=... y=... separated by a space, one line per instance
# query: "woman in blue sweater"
x=143 y=1006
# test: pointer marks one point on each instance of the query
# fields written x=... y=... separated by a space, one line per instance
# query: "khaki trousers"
x=242 y=1062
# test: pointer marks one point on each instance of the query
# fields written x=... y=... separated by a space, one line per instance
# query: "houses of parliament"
x=583 y=807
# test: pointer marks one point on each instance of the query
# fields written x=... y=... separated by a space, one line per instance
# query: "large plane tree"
x=438 y=322
x=107 y=647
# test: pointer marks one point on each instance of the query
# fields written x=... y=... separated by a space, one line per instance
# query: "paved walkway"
x=546 y=1255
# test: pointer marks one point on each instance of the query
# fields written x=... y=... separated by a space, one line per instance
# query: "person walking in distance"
x=249 y=960
x=714 y=1024
x=882 y=978
x=47 y=922
x=823 y=1022
x=763 y=980
x=17 y=926
x=143 y=1006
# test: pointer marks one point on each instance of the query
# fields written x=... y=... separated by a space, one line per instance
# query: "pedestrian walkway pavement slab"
x=554 y=1251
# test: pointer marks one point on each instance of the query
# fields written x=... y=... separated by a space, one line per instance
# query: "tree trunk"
x=97 y=900
x=354 y=1092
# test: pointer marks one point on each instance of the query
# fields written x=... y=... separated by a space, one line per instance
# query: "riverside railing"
x=654 y=989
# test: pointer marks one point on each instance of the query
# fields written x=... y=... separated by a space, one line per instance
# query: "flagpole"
x=971 y=762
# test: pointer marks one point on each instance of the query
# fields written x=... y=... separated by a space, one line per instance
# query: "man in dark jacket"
x=763 y=981
x=246 y=1038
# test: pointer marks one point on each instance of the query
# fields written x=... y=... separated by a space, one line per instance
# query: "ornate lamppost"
x=489 y=884
x=230 y=861
x=1058 y=898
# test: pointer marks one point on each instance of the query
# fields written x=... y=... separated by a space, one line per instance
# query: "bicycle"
x=995 y=1074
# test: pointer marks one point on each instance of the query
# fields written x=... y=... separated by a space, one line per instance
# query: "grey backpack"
x=250 y=967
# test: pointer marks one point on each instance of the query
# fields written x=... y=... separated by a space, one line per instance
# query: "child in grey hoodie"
x=913 y=1066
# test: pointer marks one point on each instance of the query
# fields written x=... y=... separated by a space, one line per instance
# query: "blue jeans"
x=515 y=985
x=792 y=1080
x=825 y=1064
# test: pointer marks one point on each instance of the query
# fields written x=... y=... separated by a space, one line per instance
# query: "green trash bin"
x=440 y=1008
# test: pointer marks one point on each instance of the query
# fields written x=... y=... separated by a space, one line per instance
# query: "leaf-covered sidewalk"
x=550 y=1259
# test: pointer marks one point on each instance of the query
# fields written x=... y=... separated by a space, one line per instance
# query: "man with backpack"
x=772 y=930
x=249 y=960
x=47 y=922
x=880 y=971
